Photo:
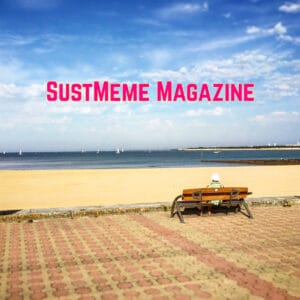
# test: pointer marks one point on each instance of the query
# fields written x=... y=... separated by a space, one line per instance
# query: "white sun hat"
x=215 y=177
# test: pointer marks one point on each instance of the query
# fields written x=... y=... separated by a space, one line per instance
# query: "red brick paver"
x=151 y=256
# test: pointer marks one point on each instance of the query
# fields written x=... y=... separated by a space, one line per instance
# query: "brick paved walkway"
x=150 y=256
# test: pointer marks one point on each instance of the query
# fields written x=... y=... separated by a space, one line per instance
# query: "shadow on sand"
x=8 y=212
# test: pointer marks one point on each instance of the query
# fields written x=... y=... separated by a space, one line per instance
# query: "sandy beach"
x=67 y=188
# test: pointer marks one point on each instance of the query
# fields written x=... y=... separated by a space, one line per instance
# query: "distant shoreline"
x=240 y=148
x=265 y=162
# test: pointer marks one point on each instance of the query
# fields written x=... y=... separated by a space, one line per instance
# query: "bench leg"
x=175 y=209
x=250 y=216
x=174 y=205
x=180 y=216
x=209 y=207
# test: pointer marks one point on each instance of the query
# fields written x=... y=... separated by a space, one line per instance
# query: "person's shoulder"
x=216 y=185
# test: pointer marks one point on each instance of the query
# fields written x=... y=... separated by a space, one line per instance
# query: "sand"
x=68 y=188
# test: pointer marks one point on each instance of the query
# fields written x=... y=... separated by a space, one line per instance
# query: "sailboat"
x=118 y=151
x=216 y=151
x=20 y=152
x=98 y=151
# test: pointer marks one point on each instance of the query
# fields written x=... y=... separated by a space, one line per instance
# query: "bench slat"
x=212 y=197
x=210 y=194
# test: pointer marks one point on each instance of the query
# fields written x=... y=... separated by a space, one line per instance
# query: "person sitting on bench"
x=215 y=183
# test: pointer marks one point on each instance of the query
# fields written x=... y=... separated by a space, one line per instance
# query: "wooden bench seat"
x=203 y=197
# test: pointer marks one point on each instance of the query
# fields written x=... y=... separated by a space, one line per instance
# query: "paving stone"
x=151 y=256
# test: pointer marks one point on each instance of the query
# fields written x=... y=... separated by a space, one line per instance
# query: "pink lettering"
x=143 y=92
x=218 y=91
x=204 y=93
x=76 y=91
x=114 y=92
x=248 y=92
x=51 y=91
x=179 y=93
x=192 y=92
x=164 y=94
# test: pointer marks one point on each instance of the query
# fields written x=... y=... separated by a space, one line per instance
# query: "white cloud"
x=277 y=116
x=122 y=108
x=42 y=120
x=9 y=40
x=168 y=123
x=34 y=4
x=274 y=74
x=145 y=108
x=158 y=57
x=289 y=38
x=228 y=42
x=293 y=64
x=289 y=7
x=217 y=111
x=40 y=107
x=253 y=29
x=21 y=119
x=14 y=92
x=278 y=30
x=179 y=9
x=167 y=74
x=159 y=124
x=227 y=15
x=241 y=66
x=278 y=85
x=13 y=71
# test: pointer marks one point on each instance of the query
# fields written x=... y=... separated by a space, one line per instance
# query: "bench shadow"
x=215 y=210
x=191 y=211
x=8 y=212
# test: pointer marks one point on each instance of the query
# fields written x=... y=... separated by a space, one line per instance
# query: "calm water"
x=131 y=159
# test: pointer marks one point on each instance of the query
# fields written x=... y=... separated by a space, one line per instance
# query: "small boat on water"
x=20 y=152
x=216 y=152
x=118 y=151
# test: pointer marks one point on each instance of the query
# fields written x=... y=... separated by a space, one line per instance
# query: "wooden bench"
x=200 y=198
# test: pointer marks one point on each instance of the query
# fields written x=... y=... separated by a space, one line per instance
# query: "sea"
x=134 y=159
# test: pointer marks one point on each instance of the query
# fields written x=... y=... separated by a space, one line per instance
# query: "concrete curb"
x=71 y=212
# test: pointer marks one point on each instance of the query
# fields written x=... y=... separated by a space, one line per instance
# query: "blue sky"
x=145 y=41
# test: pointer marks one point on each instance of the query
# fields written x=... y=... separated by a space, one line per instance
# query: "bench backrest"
x=209 y=194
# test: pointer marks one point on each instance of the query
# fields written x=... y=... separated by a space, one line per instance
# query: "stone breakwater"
x=269 y=162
